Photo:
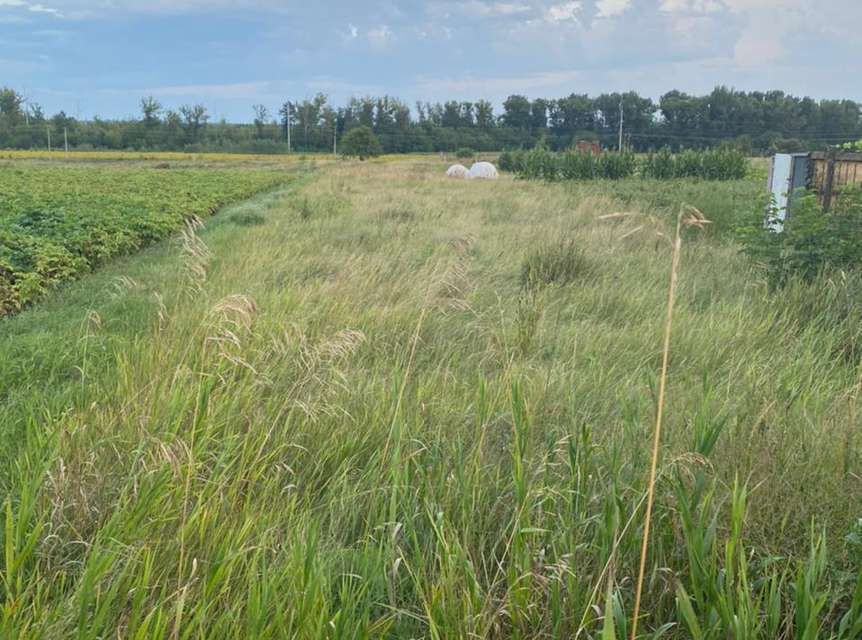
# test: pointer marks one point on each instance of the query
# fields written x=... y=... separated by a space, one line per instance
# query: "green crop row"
x=541 y=164
x=56 y=223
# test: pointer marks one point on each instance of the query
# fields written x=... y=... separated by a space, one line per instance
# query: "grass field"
x=376 y=403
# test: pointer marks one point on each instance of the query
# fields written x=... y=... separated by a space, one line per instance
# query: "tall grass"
x=329 y=425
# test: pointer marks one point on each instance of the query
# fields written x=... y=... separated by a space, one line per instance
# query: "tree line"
x=754 y=122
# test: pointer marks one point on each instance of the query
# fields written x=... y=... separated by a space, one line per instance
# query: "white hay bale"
x=457 y=171
x=483 y=171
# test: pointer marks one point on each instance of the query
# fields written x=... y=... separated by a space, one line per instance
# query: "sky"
x=100 y=57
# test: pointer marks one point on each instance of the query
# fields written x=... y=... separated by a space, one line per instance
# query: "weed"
x=247 y=219
x=559 y=263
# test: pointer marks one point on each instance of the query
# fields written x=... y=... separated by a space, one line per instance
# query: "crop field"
x=371 y=402
x=56 y=223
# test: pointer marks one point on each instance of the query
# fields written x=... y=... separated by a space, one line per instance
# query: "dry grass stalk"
x=688 y=217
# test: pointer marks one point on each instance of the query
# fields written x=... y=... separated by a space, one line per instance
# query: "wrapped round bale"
x=483 y=171
x=457 y=171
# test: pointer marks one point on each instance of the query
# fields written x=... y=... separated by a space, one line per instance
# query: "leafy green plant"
x=810 y=241
x=56 y=224
x=464 y=152
x=512 y=161
x=661 y=165
x=540 y=164
x=361 y=143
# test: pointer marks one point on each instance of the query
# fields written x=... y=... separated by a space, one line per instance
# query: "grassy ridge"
x=389 y=405
x=56 y=223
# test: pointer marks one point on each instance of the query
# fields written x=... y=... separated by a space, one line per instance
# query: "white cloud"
x=41 y=8
x=611 y=8
x=563 y=12
x=486 y=9
x=35 y=8
x=692 y=6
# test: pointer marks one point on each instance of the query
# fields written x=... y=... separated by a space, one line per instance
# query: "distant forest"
x=755 y=122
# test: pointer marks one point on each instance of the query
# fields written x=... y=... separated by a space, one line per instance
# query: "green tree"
x=261 y=115
x=362 y=143
x=150 y=109
x=517 y=112
x=10 y=105
x=484 y=114
x=194 y=119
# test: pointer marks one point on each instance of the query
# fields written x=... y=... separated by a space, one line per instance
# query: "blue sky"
x=99 y=57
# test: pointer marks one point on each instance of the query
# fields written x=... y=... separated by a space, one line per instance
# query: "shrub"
x=361 y=143
x=512 y=161
x=558 y=263
x=811 y=241
x=465 y=152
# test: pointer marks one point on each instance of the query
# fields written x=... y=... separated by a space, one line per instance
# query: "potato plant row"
x=59 y=222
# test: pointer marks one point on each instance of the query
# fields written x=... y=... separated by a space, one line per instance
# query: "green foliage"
x=811 y=241
x=350 y=453
x=711 y=164
x=612 y=165
x=58 y=223
x=575 y=165
x=361 y=143
x=464 y=152
x=559 y=263
x=724 y=163
x=661 y=165
x=754 y=122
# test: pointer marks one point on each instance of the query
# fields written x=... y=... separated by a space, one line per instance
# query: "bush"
x=361 y=143
x=811 y=241
x=464 y=152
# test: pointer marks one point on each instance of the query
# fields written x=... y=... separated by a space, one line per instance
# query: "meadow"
x=371 y=402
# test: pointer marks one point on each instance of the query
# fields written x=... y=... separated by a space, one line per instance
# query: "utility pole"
x=48 y=129
x=288 y=126
x=66 y=140
x=335 y=140
x=621 y=126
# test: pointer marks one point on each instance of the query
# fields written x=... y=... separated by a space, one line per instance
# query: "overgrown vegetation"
x=56 y=223
x=559 y=263
x=365 y=425
x=541 y=164
x=361 y=143
x=810 y=241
